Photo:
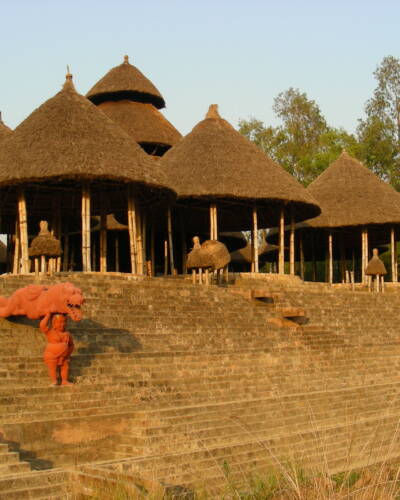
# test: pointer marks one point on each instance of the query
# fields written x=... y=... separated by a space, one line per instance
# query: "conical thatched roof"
x=351 y=195
x=4 y=130
x=143 y=122
x=216 y=161
x=67 y=137
x=125 y=82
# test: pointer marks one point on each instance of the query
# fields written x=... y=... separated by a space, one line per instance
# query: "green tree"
x=304 y=144
x=379 y=132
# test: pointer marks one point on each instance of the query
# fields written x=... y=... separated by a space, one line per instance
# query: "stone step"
x=46 y=484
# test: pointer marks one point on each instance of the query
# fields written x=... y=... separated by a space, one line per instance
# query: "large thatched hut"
x=68 y=159
x=225 y=182
x=126 y=96
x=358 y=209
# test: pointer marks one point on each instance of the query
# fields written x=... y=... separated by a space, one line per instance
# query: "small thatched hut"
x=215 y=168
x=68 y=159
x=353 y=201
x=126 y=96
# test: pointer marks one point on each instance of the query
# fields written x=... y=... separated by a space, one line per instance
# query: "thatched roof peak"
x=68 y=137
x=351 y=195
x=4 y=130
x=213 y=112
x=125 y=82
x=215 y=161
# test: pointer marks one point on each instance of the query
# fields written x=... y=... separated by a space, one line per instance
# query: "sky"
x=238 y=54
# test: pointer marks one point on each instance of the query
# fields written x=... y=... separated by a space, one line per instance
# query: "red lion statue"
x=36 y=301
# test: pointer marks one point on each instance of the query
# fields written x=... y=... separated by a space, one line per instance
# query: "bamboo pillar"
x=86 y=260
x=152 y=250
x=342 y=260
x=139 y=243
x=165 y=257
x=144 y=244
x=16 y=262
x=43 y=269
x=132 y=230
x=291 y=246
x=393 y=254
x=362 y=256
x=170 y=242
x=213 y=222
x=281 y=261
x=301 y=257
x=314 y=262
x=23 y=231
x=255 y=239
x=103 y=240
x=330 y=257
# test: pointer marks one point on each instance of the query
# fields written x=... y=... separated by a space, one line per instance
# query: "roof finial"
x=126 y=59
x=213 y=112
x=68 y=76
x=68 y=80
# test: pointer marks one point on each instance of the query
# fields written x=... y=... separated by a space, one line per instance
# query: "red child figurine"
x=59 y=348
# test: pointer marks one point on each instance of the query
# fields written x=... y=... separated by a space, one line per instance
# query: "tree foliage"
x=304 y=143
x=379 y=132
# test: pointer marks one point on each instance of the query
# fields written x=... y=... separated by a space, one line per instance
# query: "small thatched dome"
x=67 y=137
x=375 y=266
x=4 y=130
x=45 y=243
x=125 y=82
x=210 y=254
x=143 y=122
x=351 y=195
x=245 y=255
x=216 y=161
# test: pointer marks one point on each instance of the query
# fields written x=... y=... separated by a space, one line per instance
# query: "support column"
x=363 y=265
x=183 y=243
x=281 y=261
x=152 y=249
x=342 y=260
x=255 y=239
x=103 y=239
x=132 y=230
x=170 y=242
x=16 y=259
x=314 y=262
x=393 y=253
x=213 y=222
x=330 y=257
x=86 y=260
x=139 y=243
x=23 y=231
x=291 y=246
x=301 y=257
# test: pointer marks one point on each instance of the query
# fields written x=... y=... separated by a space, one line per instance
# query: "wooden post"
x=291 y=246
x=170 y=242
x=43 y=269
x=139 y=242
x=393 y=254
x=23 y=231
x=281 y=259
x=183 y=244
x=314 y=262
x=330 y=256
x=16 y=263
x=215 y=223
x=165 y=257
x=211 y=221
x=93 y=263
x=363 y=265
x=152 y=249
x=132 y=230
x=36 y=266
x=301 y=257
x=342 y=260
x=103 y=239
x=255 y=238
x=144 y=242
x=86 y=260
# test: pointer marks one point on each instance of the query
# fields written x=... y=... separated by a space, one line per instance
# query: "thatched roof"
x=351 y=195
x=4 y=130
x=143 y=122
x=45 y=243
x=216 y=161
x=210 y=254
x=67 y=137
x=125 y=82
x=245 y=255
x=375 y=266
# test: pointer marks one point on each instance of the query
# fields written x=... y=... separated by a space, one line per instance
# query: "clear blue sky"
x=239 y=54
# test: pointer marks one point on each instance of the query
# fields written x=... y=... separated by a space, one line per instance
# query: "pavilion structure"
x=68 y=162
x=225 y=183
x=131 y=100
x=359 y=212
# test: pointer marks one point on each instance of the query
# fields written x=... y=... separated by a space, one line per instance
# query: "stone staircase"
x=182 y=384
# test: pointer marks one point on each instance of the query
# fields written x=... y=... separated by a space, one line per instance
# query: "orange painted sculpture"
x=35 y=301
x=59 y=347
x=54 y=303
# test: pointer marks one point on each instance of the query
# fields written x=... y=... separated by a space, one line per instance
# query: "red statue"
x=35 y=301
x=55 y=302
x=59 y=347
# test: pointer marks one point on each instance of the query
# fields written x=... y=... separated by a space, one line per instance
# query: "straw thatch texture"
x=351 y=195
x=4 y=131
x=216 y=161
x=67 y=137
x=211 y=254
x=125 y=82
x=375 y=266
x=45 y=243
x=142 y=122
